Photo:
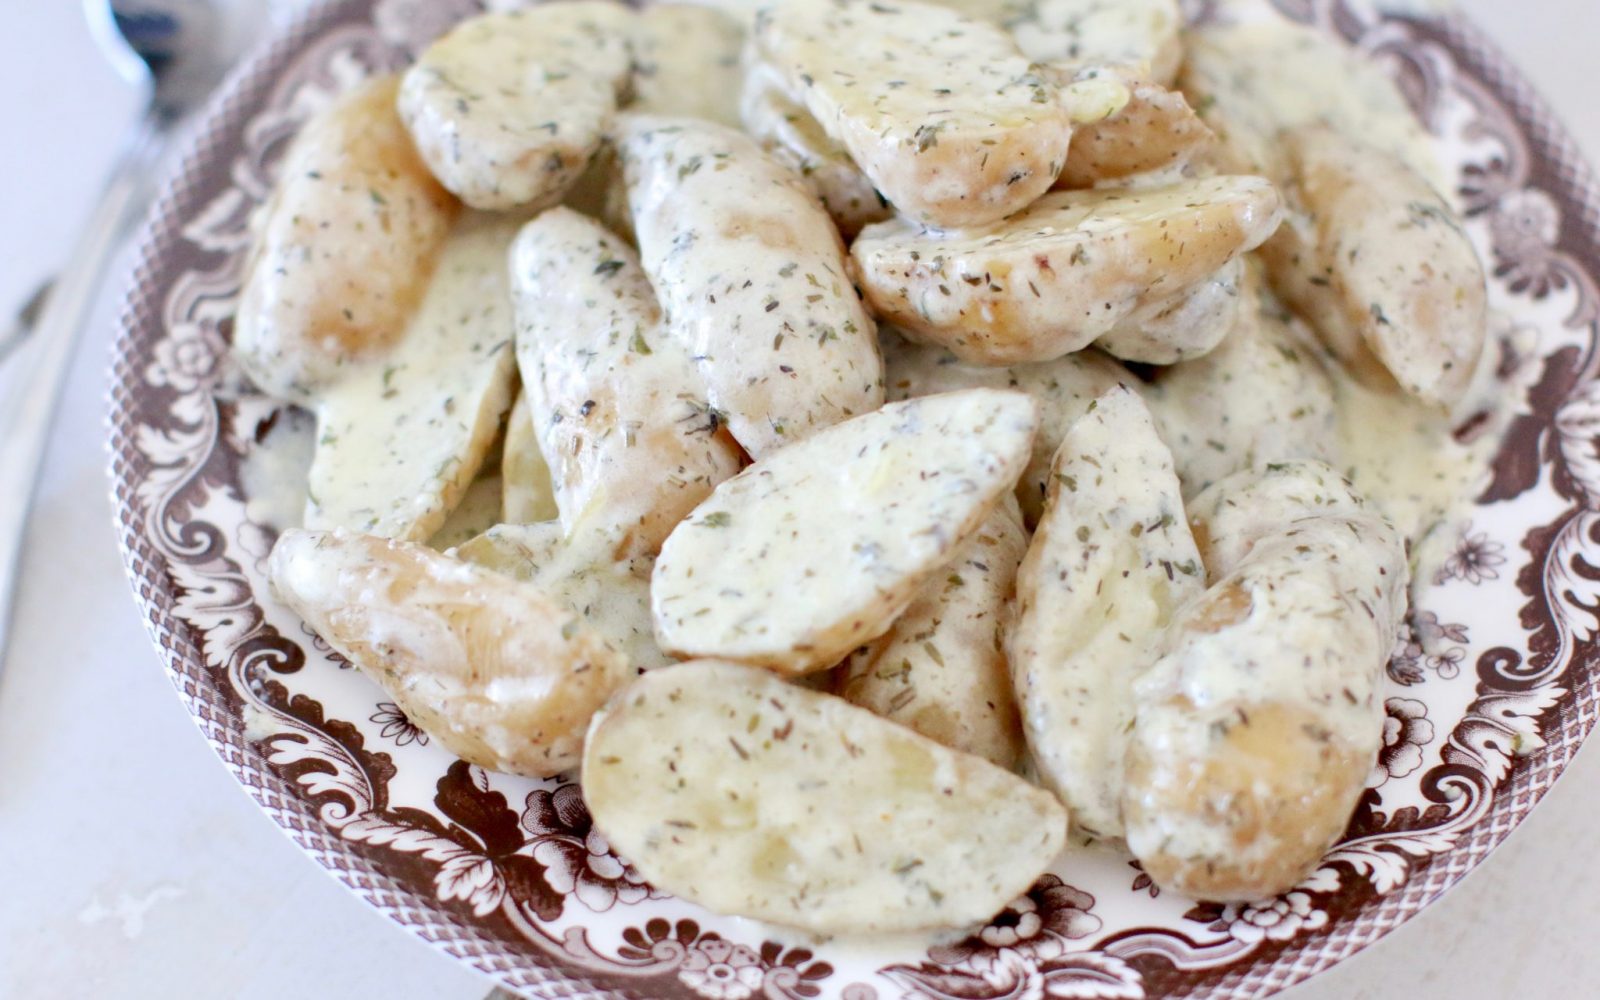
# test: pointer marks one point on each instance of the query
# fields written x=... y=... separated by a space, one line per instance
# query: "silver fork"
x=180 y=49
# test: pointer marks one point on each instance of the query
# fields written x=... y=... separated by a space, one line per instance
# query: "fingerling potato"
x=508 y=108
x=752 y=278
x=401 y=437
x=1255 y=732
x=819 y=547
x=1153 y=138
x=618 y=408
x=495 y=670
x=344 y=249
x=1110 y=563
x=1380 y=266
x=734 y=790
x=1071 y=268
x=940 y=670
x=949 y=120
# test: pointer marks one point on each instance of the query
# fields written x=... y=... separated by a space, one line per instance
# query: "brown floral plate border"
x=1493 y=686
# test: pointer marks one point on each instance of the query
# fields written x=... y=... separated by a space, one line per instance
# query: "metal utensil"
x=179 y=50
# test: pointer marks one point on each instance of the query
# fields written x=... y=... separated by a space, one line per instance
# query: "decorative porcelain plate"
x=1490 y=692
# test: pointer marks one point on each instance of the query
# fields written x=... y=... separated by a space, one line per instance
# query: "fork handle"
x=38 y=369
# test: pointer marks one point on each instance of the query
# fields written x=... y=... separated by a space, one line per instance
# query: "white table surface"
x=131 y=864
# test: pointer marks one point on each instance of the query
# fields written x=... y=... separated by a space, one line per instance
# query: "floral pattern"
x=396 y=726
x=1421 y=647
x=515 y=883
x=577 y=859
x=718 y=969
x=187 y=361
x=1523 y=227
x=1025 y=951
x=1037 y=924
x=721 y=970
x=1274 y=919
x=1406 y=733
x=1476 y=558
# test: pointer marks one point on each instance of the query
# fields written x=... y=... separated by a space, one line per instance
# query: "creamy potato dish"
x=879 y=445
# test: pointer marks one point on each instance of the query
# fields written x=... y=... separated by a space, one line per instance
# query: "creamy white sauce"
x=1258 y=73
x=272 y=474
x=478 y=511
x=1408 y=461
x=1403 y=458
x=399 y=439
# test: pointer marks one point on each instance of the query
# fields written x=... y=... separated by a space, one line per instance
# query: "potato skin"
x=1067 y=270
x=1111 y=561
x=1255 y=732
x=1155 y=134
x=1379 y=264
x=752 y=279
x=945 y=115
x=496 y=671
x=616 y=403
x=1301 y=792
x=733 y=789
x=508 y=108
x=345 y=249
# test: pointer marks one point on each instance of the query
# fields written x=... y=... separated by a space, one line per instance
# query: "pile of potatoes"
x=830 y=510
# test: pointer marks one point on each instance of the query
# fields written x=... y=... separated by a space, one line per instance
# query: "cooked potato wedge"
x=400 y=437
x=508 y=109
x=1069 y=269
x=940 y=670
x=752 y=278
x=1256 y=731
x=611 y=596
x=1110 y=563
x=1153 y=138
x=1380 y=266
x=734 y=790
x=686 y=62
x=1262 y=396
x=527 y=495
x=344 y=249
x=1186 y=326
x=619 y=411
x=949 y=120
x=1063 y=388
x=1139 y=38
x=786 y=130
x=819 y=547
x=492 y=668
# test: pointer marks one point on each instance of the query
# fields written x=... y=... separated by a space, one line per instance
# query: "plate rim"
x=1267 y=971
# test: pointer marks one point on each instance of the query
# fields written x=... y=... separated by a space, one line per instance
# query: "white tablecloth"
x=132 y=866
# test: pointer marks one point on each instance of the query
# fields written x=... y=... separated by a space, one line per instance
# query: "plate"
x=1491 y=690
